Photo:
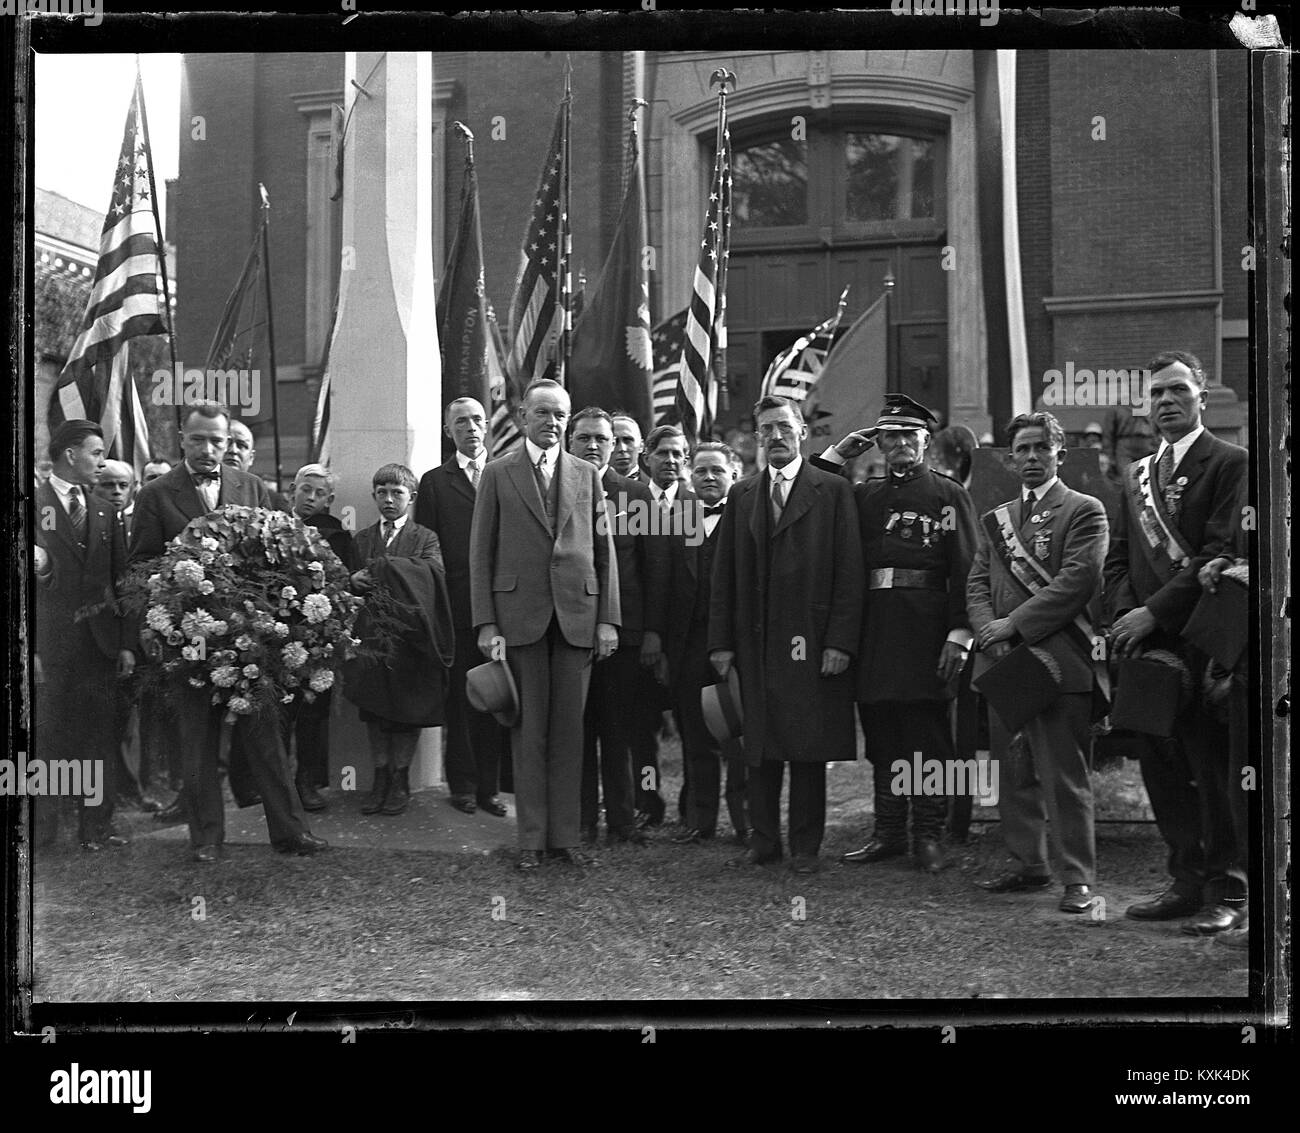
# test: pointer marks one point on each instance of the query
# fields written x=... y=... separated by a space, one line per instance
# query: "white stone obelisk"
x=385 y=370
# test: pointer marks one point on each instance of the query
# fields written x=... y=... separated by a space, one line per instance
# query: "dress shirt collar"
x=398 y=524
x=465 y=461
x=62 y=487
x=664 y=495
x=1038 y=493
x=551 y=455
x=192 y=471
x=790 y=471
x=1180 y=446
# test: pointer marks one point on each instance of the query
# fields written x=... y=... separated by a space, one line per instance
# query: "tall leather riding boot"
x=378 y=791
x=399 y=792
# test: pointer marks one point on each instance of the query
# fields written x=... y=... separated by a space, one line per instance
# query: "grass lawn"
x=652 y=923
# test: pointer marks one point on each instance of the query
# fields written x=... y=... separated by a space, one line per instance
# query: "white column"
x=384 y=364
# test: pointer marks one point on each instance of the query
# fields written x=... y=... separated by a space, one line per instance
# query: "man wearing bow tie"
x=680 y=610
x=163 y=509
x=1180 y=510
x=1037 y=568
x=80 y=554
x=918 y=536
x=786 y=610
x=544 y=594
x=444 y=504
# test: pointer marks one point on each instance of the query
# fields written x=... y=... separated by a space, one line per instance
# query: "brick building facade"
x=1130 y=241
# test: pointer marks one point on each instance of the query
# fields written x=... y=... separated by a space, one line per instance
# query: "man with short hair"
x=240 y=452
x=444 y=503
x=201 y=483
x=614 y=699
x=80 y=555
x=787 y=612
x=1037 y=568
x=1179 y=513
x=544 y=591
x=680 y=610
x=666 y=455
x=625 y=457
x=116 y=487
x=155 y=468
x=918 y=536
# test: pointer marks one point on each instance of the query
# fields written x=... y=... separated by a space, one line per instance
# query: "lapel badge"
x=1042 y=544
x=1181 y=481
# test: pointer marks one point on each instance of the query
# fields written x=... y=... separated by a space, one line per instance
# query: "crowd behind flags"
x=697 y=389
x=668 y=338
x=126 y=302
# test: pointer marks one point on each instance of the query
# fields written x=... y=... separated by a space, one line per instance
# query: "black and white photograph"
x=705 y=512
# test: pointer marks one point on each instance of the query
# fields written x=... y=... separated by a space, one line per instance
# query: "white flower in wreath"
x=197 y=623
x=243 y=642
x=288 y=593
x=192 y=652
x=240 y=705
x=208 y=543
x=294 y=654
x=218 y=629
x=206 y=587
x=287 y=698
x=225 y=676
x=187 y=572
x=196 y=682
x=252 y=672
x=321 y=680
x=280 y=629
x=158 y=619
x=207 y=558
x=316 y=608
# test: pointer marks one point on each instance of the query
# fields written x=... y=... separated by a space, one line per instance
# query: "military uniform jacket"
x=921 y=520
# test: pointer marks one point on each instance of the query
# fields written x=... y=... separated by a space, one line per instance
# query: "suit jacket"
x=166 y=505
x=412 y=541
x=521 y=574
x=78 y=578
x=1077 y=534
x=674 y=601
x=640 y=556
x=445 y=505
x=1207 y=516
x=781 y=597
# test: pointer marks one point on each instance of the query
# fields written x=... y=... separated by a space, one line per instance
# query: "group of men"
x=617 y=578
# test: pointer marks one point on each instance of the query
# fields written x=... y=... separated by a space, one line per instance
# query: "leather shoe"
x=311 y=798
x=493 y=806
x=1012 y=882
x=528 y=860
x=207 y=853
x=173 y=812
x=463 y=803
x=1076 y=899
x=571 y=857
x=1214 y=919
x=306 y=843
x=761 y=857
x=805 y=863
x=929 y=856
x=874 y=851
x=626 y=834
x=691 y=837
x=1169 y=906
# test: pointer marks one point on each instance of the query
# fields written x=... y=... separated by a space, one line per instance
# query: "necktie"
x=1164 y=469
x=778 y=497
x=543 y=476
x=1026 y=508
x=77 y=513
x=474 y=474
x=390 y=529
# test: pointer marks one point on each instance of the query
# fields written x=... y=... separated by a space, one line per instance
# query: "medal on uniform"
x=1042 y=544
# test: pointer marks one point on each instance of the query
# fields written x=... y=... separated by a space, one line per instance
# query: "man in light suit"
x=445 y=505
x=1037 y=566
x=1179 y=513
x=163 y=509
x=544 y=589
x=786 y=609
x=80 y=554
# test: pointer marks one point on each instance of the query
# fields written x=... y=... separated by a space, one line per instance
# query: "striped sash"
x=1160 y=544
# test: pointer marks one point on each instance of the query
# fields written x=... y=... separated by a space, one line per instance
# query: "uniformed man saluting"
x=918 y=537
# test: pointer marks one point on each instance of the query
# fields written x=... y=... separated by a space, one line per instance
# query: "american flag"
x=125 y=302
x=503 y=431
x=795 y=371
x=667 y=341
x=697 y=392
x=536 y=313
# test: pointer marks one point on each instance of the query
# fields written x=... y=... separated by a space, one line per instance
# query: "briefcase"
x=1220 y=624
x=1024 y=684
x=1150 y=692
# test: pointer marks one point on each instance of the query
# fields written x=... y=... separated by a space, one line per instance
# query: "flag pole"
x=157 y=221
x=270 y=332
x=566 y=238
x=722 y=77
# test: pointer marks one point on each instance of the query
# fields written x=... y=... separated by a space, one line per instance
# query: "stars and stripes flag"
x=536 y=311
x=667 y=340
x=795 y=371
x=706 y=321
x=126 y=301
x=503 y=430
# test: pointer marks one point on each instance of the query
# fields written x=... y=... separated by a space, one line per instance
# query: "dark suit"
x=616 y=704
x=1074 y=534
x=1187 y=779
x=75 y=699
x=163 y=509
x=679 y=612
x=475 y=742
x=781 y=595
x=542 y=572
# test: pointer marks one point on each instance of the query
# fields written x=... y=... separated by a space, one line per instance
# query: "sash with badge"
x=1159 y=541
x=1028 y=572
